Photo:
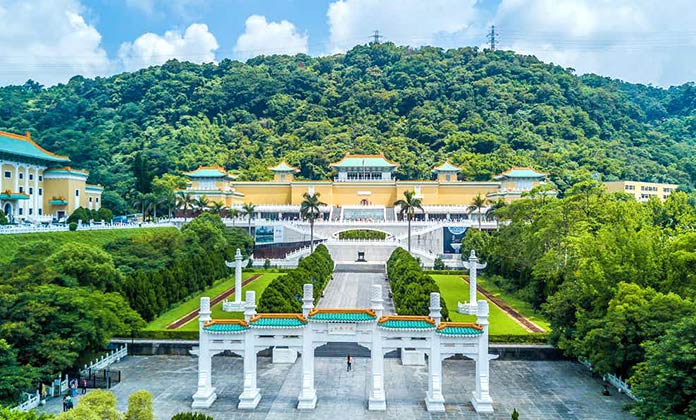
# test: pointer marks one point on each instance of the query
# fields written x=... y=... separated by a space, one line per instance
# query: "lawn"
x=454 y=289
x=258 y=285
x=10 y=243
x=521 y=306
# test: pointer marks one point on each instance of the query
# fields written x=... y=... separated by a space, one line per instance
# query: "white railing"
x=386 y=241
x=8 y=230
x=616 y=381
x=106 y=360
x=32 y=402
x=274 y=262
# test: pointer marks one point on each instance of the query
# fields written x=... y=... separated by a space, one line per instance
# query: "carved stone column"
x=482 y=400
x=205 y=393
x=251 y=395
x=434 y=400
x=308 y=395
x=377 y=400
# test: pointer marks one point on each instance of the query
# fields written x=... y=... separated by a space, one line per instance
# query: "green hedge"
x=362 y=234
x=410 y=285
x=284 y=294
x=519 y=339
x=167 y=334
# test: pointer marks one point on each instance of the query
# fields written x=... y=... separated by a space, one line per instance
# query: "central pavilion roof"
x=447 y=167
x=364 y=161
x=342 y=315
x=521 y=172
x=209 y=172
x=283 y=166
x=24 y=146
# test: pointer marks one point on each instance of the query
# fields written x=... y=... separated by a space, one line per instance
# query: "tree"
x=233 y=213
x=139 y=200
x=140 y=406
x=494 y=212
x=407 y=207
x=217 y=207
x=665 y=382
x=203 y=203
x=476 y=204
x=310 y=210
x=191 y=416
x=13 y=378
x=102 y=403
x=85 y=265
x=12 y=414
x=3 y=218
x=184 y=201
x=248 y=210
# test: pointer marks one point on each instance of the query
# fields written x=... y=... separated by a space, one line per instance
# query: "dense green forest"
x=614 y=277
x=63 y=298
x=485 y=110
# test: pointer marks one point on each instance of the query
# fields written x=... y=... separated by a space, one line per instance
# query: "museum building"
x=39 y=186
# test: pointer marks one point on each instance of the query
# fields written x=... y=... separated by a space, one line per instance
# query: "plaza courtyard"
x=538 y=390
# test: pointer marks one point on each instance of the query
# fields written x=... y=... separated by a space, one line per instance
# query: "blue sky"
x=645 y=41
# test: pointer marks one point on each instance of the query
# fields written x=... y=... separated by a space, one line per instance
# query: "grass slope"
x=258 y=285
x=521 y=306
x=10 y=243
x=454 y=289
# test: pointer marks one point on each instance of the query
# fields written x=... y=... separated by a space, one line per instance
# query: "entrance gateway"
x=367 y=327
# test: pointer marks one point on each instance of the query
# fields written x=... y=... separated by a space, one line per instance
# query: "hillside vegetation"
x=485 y=110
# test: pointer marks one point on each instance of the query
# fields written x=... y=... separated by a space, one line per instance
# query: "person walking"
x=65 y=402
x=349 y=363
x=84 y=386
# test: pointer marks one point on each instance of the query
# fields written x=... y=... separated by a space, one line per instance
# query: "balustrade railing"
x=106 y=360
x=616 y=381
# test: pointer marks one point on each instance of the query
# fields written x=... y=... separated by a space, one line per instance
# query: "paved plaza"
x=539 y=390
x=352 y=290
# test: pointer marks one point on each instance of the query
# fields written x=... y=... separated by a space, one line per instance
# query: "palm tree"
x=494 y=211
x=202 y=203
x=309 y=210
x=233 y=213
x=476 y=204
x=217 y=207
x=248 y=211
x=408 y=206
x=139 y=200
x=184 y=201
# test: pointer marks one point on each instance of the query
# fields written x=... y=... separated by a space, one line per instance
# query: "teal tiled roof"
x=209 y=172
x=347 y=315
x=14 y=196
x=455 y=329
x=364 y=161
x=225 y=327
x=446 y=167
x=283 y=167
x=94 y=188
x=65 y=171
x=521 y=173
x=277 y=322
x=18 y=145
x=58 y=202
x=406 y=324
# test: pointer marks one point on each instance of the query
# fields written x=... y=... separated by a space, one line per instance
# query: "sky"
x=49 y=41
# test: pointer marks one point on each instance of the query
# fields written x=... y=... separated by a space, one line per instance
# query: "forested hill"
x=485 y=110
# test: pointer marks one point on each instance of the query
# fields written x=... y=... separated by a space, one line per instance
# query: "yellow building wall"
x=62 y=187
x=264 y=192
x=7 y=183
x=347 y=194
x=463 y=194
x=325 y=191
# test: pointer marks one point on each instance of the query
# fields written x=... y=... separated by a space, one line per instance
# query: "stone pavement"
x=353 y=290
x=539 y=390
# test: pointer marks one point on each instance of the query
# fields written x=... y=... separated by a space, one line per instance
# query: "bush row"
x=284 y=294
x=410 y=286
x=81 y=213
x=362 y=234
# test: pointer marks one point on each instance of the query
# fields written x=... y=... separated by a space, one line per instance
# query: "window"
x=8 y=174
x=40 y=178
x=31 y=177
x=21 y=175
x=90 y=199
x=31 y=191
x=97 y=199
x=21 y=189
x=21 y=211
x=40 y=191
x=77 y=193
x=40 y=212
x=630 y=187
x=447 y=177
x=31 y=211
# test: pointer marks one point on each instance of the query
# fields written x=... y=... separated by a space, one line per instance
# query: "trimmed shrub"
x=140 y=406
x=3 y=218
x=72 y=226
x=284 y=294
x=410 y=286
x=362 y=234
x=192 y=416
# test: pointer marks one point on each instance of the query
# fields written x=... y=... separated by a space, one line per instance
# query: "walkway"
x=214 y=301
x=538 y=390
x=352 y=290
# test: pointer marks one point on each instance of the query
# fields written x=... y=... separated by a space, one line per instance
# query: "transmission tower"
x=491 y=36
x=376 y=36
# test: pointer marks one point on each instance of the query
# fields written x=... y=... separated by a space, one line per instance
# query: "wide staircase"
x=390 y=214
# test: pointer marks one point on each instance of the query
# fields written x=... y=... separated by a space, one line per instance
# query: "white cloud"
x=408 y=22
x=196 y=44
x=48 y=41
x=262 y=37
x=635 y=40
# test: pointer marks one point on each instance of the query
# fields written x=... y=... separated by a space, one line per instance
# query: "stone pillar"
x=434 y=401
x=377 y=400
x=205 y=393
x=481 y=399
x=251 y=395
x=473 y=266
x=238 y=277
x=308 y=395
x=38 y=204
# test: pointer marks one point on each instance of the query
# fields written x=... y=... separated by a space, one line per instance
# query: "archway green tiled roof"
x=397 y=322
x=278 y=321
x=226 y=326
x=342 y=315
x=459 y=329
